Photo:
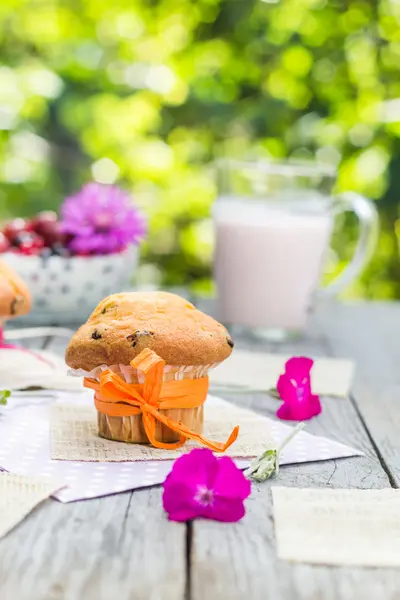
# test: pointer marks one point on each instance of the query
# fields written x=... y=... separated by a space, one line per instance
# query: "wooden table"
x=122 y=547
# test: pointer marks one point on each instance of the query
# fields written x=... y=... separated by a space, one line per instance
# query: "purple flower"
x=202 y=485
x=294 y=387
x=101 y=220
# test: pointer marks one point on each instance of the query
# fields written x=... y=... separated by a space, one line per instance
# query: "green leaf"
x=263 y=467
x=4 y=395
x=267 y=464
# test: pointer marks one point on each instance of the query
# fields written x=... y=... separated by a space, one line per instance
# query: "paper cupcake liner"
x=130 y=428
x=131 y=375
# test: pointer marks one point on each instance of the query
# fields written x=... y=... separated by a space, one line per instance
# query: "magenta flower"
x=202 y=485
x=100 y=220
x=294 y=387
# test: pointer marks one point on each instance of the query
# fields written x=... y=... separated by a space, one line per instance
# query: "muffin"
x=15 y=299
x=128 y=329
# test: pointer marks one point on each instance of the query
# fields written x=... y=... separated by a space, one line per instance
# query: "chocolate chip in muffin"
x=134 y=337
x=14 y=303
x=108 y=307
x=230 y=342
x=96 y=335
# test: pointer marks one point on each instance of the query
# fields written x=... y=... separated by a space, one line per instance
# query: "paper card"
x=74 y=435
x=19 y=495
x=21 y=369
x=260 y=371
x=338 y=527
x=25 y=449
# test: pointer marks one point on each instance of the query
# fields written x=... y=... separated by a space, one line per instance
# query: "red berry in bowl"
x=13 y=228
x=46 y=225
x=4 y=243
x=28 y=243
x=42 y=219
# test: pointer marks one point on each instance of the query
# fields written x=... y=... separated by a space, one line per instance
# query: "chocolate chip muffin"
x=15 y=299
x=123 y=326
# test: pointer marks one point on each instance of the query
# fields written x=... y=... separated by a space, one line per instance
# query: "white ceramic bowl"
x=66 y=290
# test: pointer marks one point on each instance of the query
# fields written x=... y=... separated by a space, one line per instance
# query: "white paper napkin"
x=25 y=449
x=260 y=371
x=21 y=369
x=338 y=527
x=19 y=495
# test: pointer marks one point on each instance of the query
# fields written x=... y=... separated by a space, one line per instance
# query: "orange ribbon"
x=116 y=398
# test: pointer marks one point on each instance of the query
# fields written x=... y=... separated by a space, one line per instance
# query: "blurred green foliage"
x=149 y=92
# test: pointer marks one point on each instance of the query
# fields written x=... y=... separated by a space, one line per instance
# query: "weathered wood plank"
x=121 y=546
x=153 y=551
x=369 y=332
x=52 y=552
x=240 y=561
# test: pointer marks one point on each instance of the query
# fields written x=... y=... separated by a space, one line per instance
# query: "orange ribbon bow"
x=117 y=398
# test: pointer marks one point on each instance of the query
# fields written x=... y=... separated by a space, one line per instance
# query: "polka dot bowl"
x=66 y=290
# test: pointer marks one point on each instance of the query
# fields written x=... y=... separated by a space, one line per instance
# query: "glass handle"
x=367 y=238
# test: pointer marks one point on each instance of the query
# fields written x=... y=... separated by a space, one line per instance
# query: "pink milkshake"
x=268 y=262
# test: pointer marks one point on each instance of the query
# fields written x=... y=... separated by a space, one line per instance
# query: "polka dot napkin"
x=25 y=449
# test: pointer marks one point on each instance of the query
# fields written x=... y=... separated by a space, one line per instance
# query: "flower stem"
x=291 y=435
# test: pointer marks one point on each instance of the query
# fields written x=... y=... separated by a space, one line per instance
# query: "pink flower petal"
x=295 y=394
x=298 y=367
x=294 y=387
x=228 y=510
x=181 y=515
x=230 y=481
x=284 y=387
x=198 y=467
x=178 y=500
x=202 y=485
x=300 y=411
